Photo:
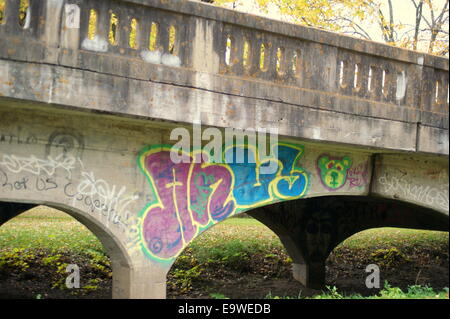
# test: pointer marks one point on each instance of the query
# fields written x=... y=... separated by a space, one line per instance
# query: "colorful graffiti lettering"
x=193 y=195
x=333 y=171
x=253 y=187
x=358 y=176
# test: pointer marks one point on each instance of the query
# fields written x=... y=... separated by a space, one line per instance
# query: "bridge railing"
x=200 y=38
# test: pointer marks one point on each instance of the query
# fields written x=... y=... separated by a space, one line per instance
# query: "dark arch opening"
x=311 y=228
x=113 y=249
x=401 y=258
x=238 y=258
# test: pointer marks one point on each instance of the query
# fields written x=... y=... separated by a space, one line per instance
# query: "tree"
x=221 y=2
x=369 y=19
x=427 y=32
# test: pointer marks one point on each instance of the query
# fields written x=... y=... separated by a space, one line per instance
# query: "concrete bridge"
x=87 y=111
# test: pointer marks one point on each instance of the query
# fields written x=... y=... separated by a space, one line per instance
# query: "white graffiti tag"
x=67 y=174
x=415 y=191
x=98 y=194
x=36 y=166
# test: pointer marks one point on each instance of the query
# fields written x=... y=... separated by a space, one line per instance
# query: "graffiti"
x=99 y=196
x=254 y=188
x=333 y=171
x=62 y=170
x=400 y=186
x=49 y=174
x=189 y=196
x=45 y=183
x=96 y=195
x=41 y=183
x=194 y=194
x=21 y=184
x=67 y=143
x=358 y=175
x=36 y=166
x=72 y=12
x=19 y=137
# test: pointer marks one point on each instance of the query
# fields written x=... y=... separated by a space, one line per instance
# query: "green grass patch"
x=50 y=230
x=47 y=228
x=52 y=239
x=383 y=238
x=388 y=292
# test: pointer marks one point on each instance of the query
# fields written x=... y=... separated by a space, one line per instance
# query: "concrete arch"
x=120 y=259
x=311 y=228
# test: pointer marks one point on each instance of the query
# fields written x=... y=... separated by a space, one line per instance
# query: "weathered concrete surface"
x=311 y=228
x=397 y=100
x=129 y=97
x=87 y=164
x=85 y=127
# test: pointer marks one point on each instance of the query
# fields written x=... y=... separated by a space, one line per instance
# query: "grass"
x=234 y=236
x=44 y=228
x=393 y=237
x=388 y=292
x=231 y=244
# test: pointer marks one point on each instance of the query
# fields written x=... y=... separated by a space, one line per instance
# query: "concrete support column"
x=308 y=253
x=307 y=234
x=311 y=275
x=138 y=282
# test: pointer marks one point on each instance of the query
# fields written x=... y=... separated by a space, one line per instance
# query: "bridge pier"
x=311 y=228
x=138 y=281
x=311 y=275
x=308 y=243
x=134 y=276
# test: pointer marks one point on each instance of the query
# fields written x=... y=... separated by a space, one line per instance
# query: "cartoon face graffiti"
x=333 y=171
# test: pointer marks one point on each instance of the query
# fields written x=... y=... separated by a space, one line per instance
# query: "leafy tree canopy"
x=377 y=20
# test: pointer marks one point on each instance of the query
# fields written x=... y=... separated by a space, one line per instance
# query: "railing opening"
x=246 y=61
x=401 y=85
x=342 y=83
x=296 y=63
x=276 y=53
x=370 y=79
x=2 y=11
x=92 y=28
x=24 y=14
x=228 y=48
x=172 y=39
x=280 y=61
x=113 y=29
x=153 y=41
x=436 y=94
x=384 y=90
x=263 y=65
x=133 y=42
x=357 y=77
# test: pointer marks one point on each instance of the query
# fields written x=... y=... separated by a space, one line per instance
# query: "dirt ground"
x=346 y=272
